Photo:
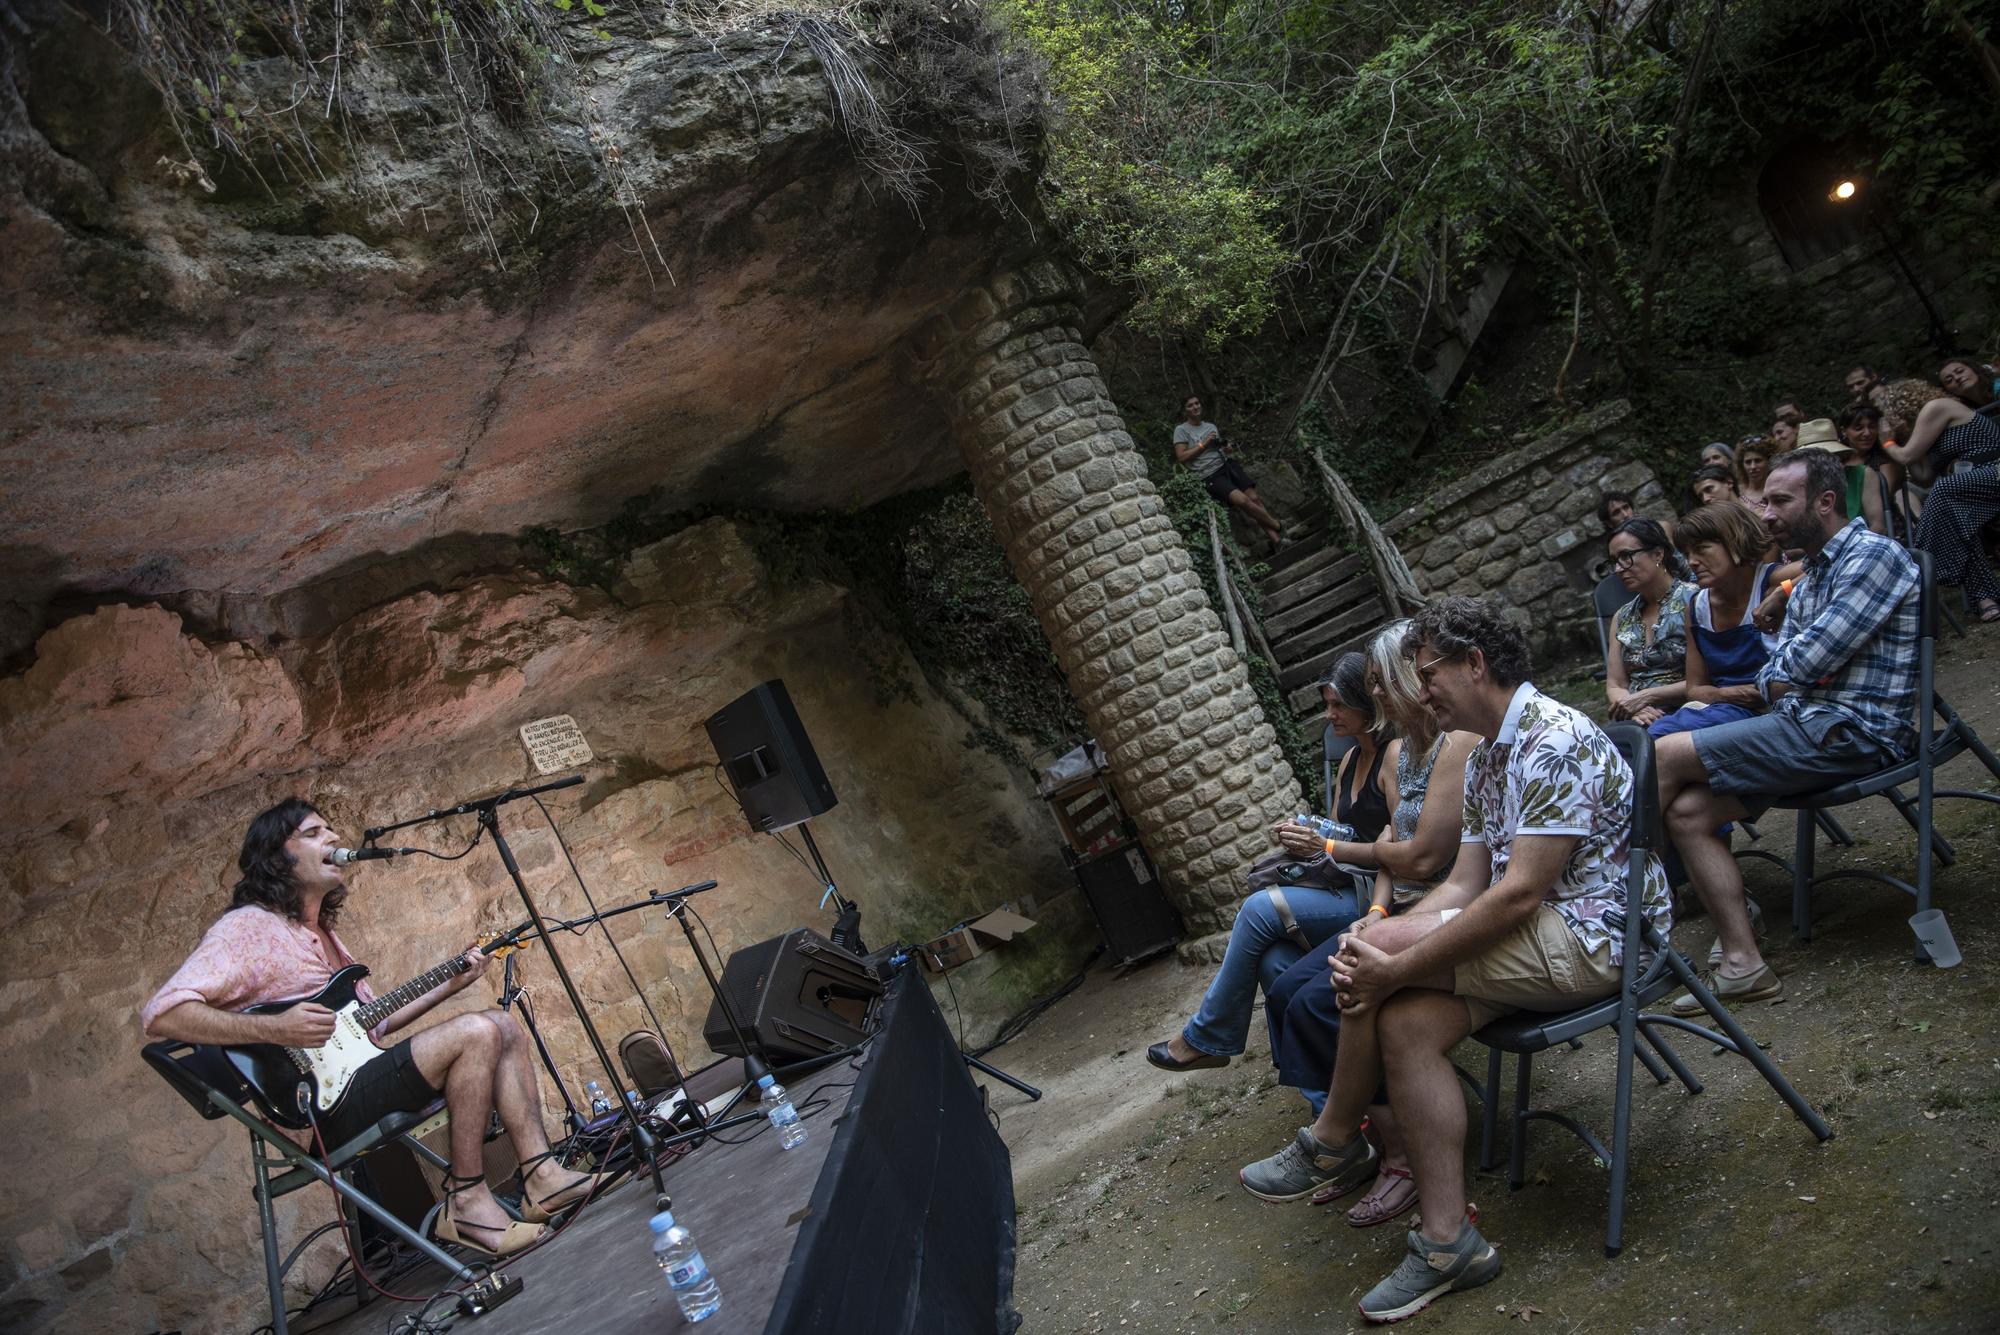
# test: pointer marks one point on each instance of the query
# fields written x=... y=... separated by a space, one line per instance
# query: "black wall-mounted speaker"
x=795 y=996
x=769 y=759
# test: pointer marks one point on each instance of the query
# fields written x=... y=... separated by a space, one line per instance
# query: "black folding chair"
x=1605 y=600
x=1935 y=746
x=1647 y=979
x=212 y=1087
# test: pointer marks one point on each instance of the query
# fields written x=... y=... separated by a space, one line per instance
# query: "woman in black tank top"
x=1276 y=927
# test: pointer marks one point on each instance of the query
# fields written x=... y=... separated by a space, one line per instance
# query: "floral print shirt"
x=1550 y=770
x=1664 y=659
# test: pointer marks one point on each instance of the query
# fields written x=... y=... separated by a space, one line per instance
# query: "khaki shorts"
x=1539 y=966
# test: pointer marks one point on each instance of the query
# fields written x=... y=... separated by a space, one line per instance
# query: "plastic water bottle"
x=687 y=1274
x=600 y=1103
x=778 y=1107
x=1325 y=827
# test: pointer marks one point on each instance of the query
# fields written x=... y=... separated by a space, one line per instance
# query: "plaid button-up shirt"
x=1848 y=647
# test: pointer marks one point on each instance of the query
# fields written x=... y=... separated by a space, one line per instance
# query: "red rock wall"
x=132 y=754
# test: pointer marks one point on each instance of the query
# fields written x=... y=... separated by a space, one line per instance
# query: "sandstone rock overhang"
x=239 y=392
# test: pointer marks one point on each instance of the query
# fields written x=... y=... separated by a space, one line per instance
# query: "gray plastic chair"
x=1526 y=1033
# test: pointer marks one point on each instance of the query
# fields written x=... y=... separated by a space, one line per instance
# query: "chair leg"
x=274 y=1278
x=1621 y=1123
x=1652 y=1065
x=1489 y=1115
x=1689 y=1080
x=1748 y=1047
x=1835 y=831
x=1946 y=854
x=1517 y=1151
x=1802 y=870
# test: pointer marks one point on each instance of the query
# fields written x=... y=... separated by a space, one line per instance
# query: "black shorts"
x=1230 y=477
x=388 y=1083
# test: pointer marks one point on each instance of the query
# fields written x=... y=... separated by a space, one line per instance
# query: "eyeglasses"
x=1626 y=560
x=1424 y=670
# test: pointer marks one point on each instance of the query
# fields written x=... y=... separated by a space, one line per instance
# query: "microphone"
x=343 y=856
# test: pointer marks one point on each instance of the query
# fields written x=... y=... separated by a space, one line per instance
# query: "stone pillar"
x=1192 y=756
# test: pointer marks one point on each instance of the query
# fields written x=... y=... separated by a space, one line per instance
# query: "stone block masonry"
x=1194 y=759
x=1524 y=528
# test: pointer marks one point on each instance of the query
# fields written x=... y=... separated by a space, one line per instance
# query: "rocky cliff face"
x=694 y=287
x=135 y=753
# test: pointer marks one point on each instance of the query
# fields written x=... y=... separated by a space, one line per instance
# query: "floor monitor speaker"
x=769 y=759
x=795 y=996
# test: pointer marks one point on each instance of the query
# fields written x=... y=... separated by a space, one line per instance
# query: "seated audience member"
x=1784 y=437
x=1971 y=382
x=1861 y=431
x=1520 y=922
x=1867 y=494
x=1859 y=380
x=1900 y=402
x=1961 y=503
x=1712 y=482
x=1199 y=446
x=1725 y=548
x=1753 y=465
x=1716 y=454
x=1841 y=684
x=1788 y=410
x=1275 y=927
x=1413 y=856
x=1613 y=509
x=1648 y=642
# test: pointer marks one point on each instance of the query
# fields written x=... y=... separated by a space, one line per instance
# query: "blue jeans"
x=1259 y=950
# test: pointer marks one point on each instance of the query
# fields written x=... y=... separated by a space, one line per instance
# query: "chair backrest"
x=648 y=1062
x=1636 y=745
x=1333 y=746
x=195 y=1071
x=1605 y=600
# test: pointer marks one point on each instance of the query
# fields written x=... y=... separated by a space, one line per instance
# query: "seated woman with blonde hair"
x=1410 y=858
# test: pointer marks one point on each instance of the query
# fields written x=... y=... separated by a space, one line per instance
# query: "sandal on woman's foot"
x=1162 y=1056
x=1393 y=1196
x=492 y=1239
x=541 y=1210
x=1988 y=610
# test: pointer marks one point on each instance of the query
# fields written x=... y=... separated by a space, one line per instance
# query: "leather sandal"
x=516 y=1236
x=1162 y=1056
x=548 y=1207
x=1385 y=1203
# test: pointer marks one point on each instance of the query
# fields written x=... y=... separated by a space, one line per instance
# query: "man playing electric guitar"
x=276 y=943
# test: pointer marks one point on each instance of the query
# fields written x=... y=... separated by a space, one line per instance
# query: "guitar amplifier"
x=795 y=996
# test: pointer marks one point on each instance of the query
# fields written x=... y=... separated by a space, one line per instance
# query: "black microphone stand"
x=487 y=809
x=511 y=992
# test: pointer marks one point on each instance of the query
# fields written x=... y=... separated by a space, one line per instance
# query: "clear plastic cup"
x=1934 y=935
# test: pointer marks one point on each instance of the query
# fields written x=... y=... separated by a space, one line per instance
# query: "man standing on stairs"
x=1199 y=445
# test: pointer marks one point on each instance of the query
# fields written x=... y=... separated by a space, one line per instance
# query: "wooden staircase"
x=1319 y=601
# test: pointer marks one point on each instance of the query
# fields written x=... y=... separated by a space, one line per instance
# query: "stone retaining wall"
x=1524 y=528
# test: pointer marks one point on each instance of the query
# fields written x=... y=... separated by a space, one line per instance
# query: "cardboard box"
x=969 y=941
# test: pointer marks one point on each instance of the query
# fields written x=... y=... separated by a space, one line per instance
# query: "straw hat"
x=1819 y=434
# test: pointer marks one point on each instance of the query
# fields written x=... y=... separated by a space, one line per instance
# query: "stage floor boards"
x=742 y=1202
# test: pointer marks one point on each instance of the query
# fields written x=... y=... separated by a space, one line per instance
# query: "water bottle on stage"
x=778 y=1107
x=600 y=1103
x=687 y=1274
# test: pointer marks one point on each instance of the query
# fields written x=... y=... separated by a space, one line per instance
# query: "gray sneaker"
x=1305 y=1165
x=1431 y=1270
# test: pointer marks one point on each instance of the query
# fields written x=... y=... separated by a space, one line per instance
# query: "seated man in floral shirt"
x=1520 y=923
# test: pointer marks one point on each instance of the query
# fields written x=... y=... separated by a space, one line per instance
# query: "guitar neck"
x=388 y=1004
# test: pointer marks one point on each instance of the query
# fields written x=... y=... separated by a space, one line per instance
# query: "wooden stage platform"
x=896 y=1214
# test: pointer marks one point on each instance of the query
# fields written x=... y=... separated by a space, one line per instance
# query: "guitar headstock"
x=487 y=939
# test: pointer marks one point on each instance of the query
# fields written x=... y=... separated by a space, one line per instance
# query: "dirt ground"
x=1131 y=1218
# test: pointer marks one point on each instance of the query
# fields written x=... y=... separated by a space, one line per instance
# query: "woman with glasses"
x=1644 y=676
x=1275 y=927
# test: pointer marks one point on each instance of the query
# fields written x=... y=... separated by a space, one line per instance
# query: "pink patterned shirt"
x=247 y=957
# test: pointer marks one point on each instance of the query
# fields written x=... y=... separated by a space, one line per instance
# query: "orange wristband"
x=1377 y=908
x=1329 y=848
x=1786 y=585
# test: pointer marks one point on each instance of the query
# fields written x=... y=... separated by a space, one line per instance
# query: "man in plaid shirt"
x=1842 y=686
